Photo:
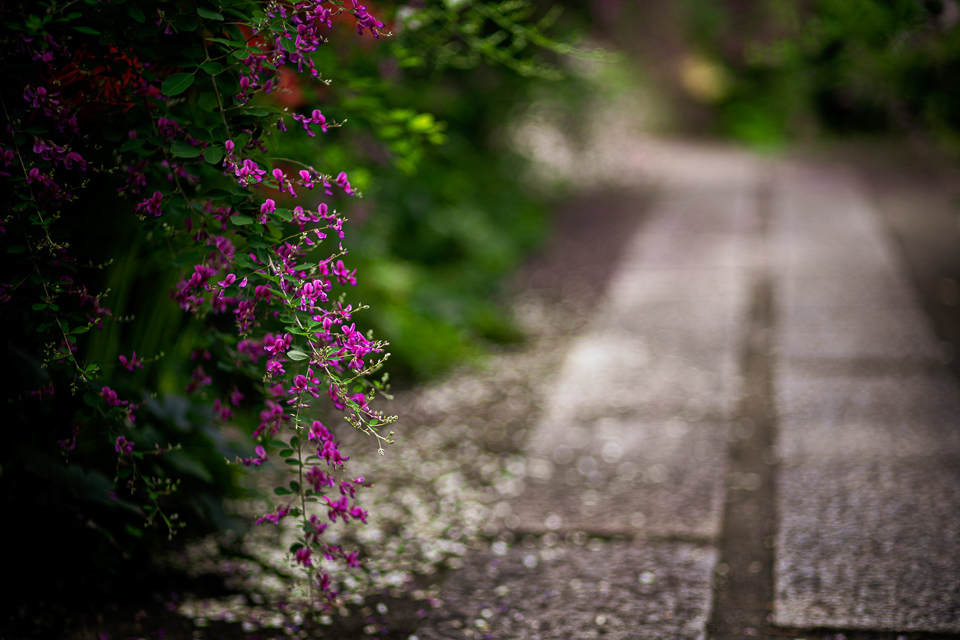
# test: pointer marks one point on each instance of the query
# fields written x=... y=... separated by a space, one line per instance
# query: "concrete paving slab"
x=659 y=250
x=878 y=291
x=706 y=210
x=612 y=374
x=830 y=418
x=843 y=258
x=683 y=328
x=850 y=333
x=661 y=479
x=603 y=590
x=632 y=286
x=870 y=545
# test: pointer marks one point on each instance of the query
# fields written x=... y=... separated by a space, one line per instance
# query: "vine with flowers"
x=155 y=118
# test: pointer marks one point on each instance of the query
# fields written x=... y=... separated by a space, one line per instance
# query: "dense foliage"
x=793 y=69
x=138 y=154
x=174 y=276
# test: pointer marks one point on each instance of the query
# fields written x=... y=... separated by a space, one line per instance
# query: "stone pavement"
x=761 y=303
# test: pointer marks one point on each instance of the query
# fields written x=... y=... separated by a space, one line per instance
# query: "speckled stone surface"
x=869 y=478
x=633 y=436
x=830 y=418
x=631 y=444
x=849 y=333
x=646 y=478
x=870 y=545
x=615 y=592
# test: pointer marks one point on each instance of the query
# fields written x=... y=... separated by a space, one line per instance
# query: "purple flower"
x=110 y=396
x=260 y=458
x=318 y=432
x=236 y=397
x=318 y=479
x=344 y=183
x=131 y=363
x=303 y=556
x=266 y=208
x=151 y=204
x=123 y=446
x=337 y=508
x=276 y=516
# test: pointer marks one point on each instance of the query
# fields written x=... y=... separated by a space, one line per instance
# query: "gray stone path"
x=628 y=467
x=869 y=482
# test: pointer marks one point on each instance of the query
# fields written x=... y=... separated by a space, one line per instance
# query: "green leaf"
x=295 y=486
x=208 y=101
x=422 y=123
x=208 y=14
x=17 y=248
x=285 y=453
x=241 y=221
x=296 y=354
x=213 y=155
x=212 y=67
x=280 y=491
x=288 y=44
x=186 y=257
x=293 y=462
x=181 y=149
x=295 y=547
x=176 y=84
x=87 y=30
x=187 y=22
x=231 y=43
x=136 y=13
x=135 y=143
x=286 y=214
x=38 y=306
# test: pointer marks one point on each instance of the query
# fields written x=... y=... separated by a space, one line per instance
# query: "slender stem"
x=33 y=256
x=216 y=92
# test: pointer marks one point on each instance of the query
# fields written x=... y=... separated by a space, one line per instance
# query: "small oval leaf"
x=136 y=13
x=296 y=354
x=209 y=14
x=213 y=155
x=176 y=84
x=212 y=67
x=241 y=221
x=183 y=150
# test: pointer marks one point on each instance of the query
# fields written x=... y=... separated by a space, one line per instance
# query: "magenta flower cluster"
x=277 y=276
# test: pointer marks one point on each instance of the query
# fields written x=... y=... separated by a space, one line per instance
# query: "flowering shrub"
x=171 y=273
x=151 y=122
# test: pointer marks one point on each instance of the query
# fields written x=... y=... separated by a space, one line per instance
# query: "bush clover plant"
x=143 y=160
x=157 y=109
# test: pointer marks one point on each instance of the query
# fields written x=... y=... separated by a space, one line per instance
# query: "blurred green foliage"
x=796 y=68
